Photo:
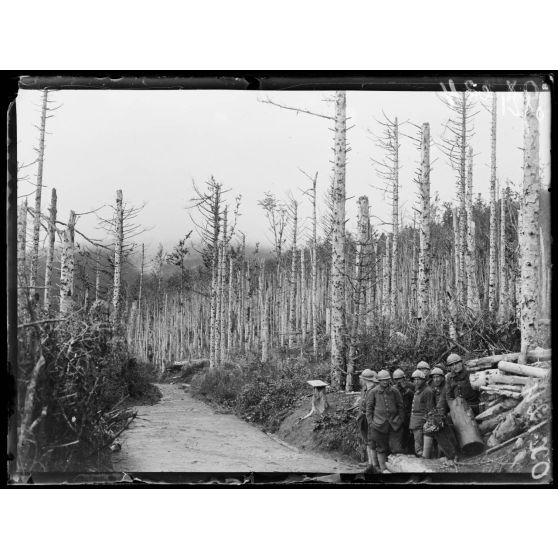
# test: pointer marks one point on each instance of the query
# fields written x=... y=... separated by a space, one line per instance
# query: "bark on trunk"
x=118 y=244
x=492 y=271
x=292 y=290
x=529 y=238
x=38 y=195
x=67 y=267
x=424 y=247
x=23 y=291
x=472 y=289
x=50 y=251
x=338 y=331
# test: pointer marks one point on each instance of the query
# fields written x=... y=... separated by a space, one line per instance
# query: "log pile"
x=514 y=397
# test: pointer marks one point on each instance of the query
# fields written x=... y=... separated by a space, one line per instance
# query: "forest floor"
x=184 y=434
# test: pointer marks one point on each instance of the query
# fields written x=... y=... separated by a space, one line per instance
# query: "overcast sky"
x=153 y=144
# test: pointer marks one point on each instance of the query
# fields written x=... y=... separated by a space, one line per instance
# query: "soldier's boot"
x=382 y=461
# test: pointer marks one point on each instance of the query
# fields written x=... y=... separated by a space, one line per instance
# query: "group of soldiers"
x=394 y=409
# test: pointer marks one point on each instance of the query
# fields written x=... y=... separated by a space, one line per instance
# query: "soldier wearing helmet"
x=425 y=367
x=406 y=390
x=384 y=413
x=458 y=383
x=423 y=402
x=368 y=380
x=438 y=388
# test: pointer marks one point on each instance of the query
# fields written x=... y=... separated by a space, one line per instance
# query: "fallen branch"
x=29 y=400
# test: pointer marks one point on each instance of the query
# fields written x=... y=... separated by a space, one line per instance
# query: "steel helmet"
x=423 y=365
x=384 y=375
x=418 y=374
x=369 y=375
x=453 y=358
x=398 y=374
x=437 y=372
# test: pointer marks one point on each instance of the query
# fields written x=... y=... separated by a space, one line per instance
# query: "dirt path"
x=181 y=433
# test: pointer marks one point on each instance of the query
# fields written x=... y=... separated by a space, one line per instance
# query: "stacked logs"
x=514 y=396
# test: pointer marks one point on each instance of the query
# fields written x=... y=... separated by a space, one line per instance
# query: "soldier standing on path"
x=369 y=381
x=406 y=390
x=384 y=413
x=458 y=383
x=423 y=402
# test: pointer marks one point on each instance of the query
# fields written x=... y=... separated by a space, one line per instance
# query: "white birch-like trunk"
x=303 y=302
x=386 y=279
x=503 y=296
x=395 y=222
x=292 y=290
x=314 y=293
x=67 y=267
x=363 y=226
x=38 y=195
x=529 y=238
x=424 y=234
x=492 y=269
x=118 y=244
x=22 y=291
x=472 y=289
x=51 y=238
x=461 y=194
x=230 y=331
x=338 y=330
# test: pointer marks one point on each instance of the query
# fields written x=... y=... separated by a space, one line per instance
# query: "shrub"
x=79 y=396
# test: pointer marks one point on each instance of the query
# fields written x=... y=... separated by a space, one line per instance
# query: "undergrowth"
x=259 y=393
x=82 y=395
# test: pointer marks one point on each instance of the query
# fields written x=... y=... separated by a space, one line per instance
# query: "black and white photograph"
x=325 y=280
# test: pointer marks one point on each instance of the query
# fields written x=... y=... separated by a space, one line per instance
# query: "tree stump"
x=319 y=399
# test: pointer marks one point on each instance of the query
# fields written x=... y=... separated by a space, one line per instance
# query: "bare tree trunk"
x=97 y=276
x=50 y=251
x=292 y=297
x=230 y=331
x=385 y=281
x=503 y=302
x=462 y=203
x=303 y=302
x=141 y=279
x=457 y=285
x=264 y=303
x=338 y=243
x=424 y=239
x=314 y=256
x=23 y=291
x=395 y=224
x=363 y=241
x=118 y=244
x=67 y=267
x=38 y=194
x=492 y=270
x=472 y=289
x=529 y=238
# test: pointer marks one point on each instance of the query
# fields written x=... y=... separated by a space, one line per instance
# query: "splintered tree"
x=424 y=238
x=529 y=234
x=471 y=259
x=67 y=264
x=292 y=293
x=492 y=269
x=51 y=238
x=38 y=195
x=388 y=171
x=461 y=130
x=338 y=328
x=363 y=241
